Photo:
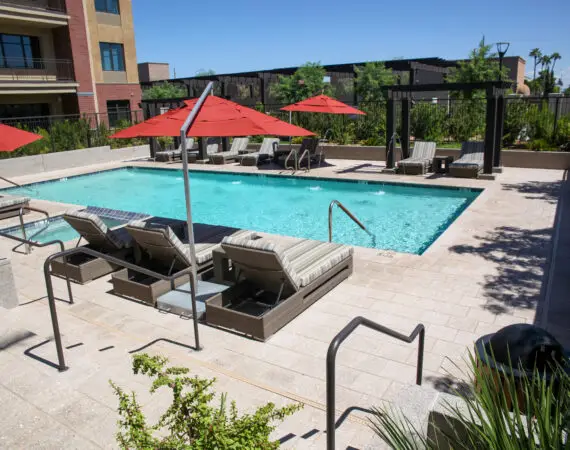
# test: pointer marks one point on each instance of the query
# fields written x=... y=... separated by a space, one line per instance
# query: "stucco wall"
x=26 y=165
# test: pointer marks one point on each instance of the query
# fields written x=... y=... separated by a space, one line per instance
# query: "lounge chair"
x=238 y=144
x=212 y=147
x=172 y=155
x=420 y=160
x=470 y=162
x=164 y=249
x=275 y=283
x=10 y=205
x=310 y=152
x=266 y=152
x=84 y=268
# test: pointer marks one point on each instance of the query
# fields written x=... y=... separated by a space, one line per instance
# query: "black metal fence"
x=71 y=132
x=530 y=122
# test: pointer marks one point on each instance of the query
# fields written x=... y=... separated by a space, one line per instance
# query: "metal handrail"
x=349 y=214
x=23 y=226
x=291 y=153
x=40 y=245
x=121 y=263
x=300 y=160
x=331 y=360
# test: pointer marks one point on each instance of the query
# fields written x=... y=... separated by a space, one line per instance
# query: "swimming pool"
x=404 y=218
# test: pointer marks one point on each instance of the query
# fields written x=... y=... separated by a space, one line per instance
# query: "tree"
x=555 y=57
x=164 y=90
x=481 y=66
x=369 y=80
x=536 y=54
x=567 y=90
x=205 y=73
x=307 y=81
x=192 y=421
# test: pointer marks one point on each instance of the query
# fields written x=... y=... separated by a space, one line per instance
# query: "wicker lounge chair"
x=275 y=283
x=420 y=160
x=10 y=205
x=84 y=268
x=470 y=162
x=266 y=152
x=172 y=155
x=238 y=145
x=164 y=250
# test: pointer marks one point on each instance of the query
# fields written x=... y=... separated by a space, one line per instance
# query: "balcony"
x=44 y=13
x=34 y=75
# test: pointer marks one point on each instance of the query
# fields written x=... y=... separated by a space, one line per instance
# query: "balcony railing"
x=36 y=69
x=44 y=5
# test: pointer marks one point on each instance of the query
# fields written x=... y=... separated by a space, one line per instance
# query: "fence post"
x=501 y=110
x=405 y=139
x=490 y=124
x=52 y=142
x=556 y=116
x=390 y=128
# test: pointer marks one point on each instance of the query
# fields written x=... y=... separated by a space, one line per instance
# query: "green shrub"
x=467 y=120
x=496 y=416
x=516 y=121
x=428 y=122
x=192 y=421
x=540 y=122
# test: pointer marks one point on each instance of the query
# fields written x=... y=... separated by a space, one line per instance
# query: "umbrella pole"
x=191 y=246
x=290 y=137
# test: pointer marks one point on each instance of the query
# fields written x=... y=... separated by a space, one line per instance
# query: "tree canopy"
x=307 y=81
x=164 y=90
x=369 y=80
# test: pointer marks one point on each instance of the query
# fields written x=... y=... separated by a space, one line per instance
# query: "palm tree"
x=536 y=54
x=555 y=57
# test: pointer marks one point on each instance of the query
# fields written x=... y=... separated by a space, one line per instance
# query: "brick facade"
x=106 y=92
x=81 y=57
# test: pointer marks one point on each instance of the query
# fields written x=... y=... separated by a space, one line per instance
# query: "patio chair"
x=470 y=161
x=84 y=268
x=266 y=152
x=172 y=155
x=310 y=152
x=212 y=147
x=275 y=282
x=164 y=249
x=10 y=205
x=420 y=160
x=238 y=145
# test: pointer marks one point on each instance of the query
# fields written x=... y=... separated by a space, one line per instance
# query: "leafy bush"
x=192 y=422
x=540 y=122
x=428 y=121
x=516 y=121
x=529 y=413
x=467 y=119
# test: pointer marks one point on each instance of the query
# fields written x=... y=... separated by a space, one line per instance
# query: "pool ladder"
x=23 y=210
x=349 y=214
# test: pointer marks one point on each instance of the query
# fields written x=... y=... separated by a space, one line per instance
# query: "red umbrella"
x=13 y=138
x=322 y=104
x=217 y=117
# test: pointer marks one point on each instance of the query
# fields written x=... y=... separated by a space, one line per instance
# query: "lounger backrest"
x=472 y=151
x=262 y=262
x=159 y=242
x=423 y=150
x=13 y=201
x=310 y=144
x=269 y=145
x=239 y=144
x=91 y=228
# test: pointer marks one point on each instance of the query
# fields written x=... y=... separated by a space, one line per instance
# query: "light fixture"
x=502 y=48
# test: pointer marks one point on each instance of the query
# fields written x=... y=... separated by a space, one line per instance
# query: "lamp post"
x=502 y=48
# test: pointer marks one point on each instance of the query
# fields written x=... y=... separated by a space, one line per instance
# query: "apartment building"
x=60 y=57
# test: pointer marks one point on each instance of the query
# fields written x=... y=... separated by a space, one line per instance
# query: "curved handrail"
x=24 y=186
x=40 y=245
x=300 y=160
x=349 y=214
x=121 y=263
x=419 y=330
x=23 y=226
x=291 y=153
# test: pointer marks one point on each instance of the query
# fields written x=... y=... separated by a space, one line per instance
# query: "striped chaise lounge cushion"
x=422 y=154
x=12 y=200
x=118 y=238
x=472 y=155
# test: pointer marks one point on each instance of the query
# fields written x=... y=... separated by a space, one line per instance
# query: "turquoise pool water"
x=55 y=229
x=403 y=218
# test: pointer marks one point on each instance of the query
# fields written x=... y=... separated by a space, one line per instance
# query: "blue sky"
x=242 y=35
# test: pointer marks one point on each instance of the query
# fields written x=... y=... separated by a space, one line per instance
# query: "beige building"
x=67 y=57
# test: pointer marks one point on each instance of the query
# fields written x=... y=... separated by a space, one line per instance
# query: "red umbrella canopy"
x=217 y=117
x=13 y=138
x=322 y=104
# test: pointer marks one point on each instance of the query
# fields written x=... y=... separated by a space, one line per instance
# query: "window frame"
x=108 y=6
x=30 y=51
x=109 y=46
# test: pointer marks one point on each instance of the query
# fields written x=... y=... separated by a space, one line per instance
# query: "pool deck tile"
x=484 y=272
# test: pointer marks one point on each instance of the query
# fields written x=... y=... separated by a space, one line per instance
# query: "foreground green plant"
x=529 y=413
x=191 y=421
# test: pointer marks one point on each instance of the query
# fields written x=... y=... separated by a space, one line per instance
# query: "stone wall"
x=26 y=165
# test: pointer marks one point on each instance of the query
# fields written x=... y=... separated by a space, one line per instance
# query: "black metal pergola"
x=494 y=117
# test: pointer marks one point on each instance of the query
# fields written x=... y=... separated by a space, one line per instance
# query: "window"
x=107 y=6
x=19 y=52
x=112 y=57
x=9 y=111
x=118 y=110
